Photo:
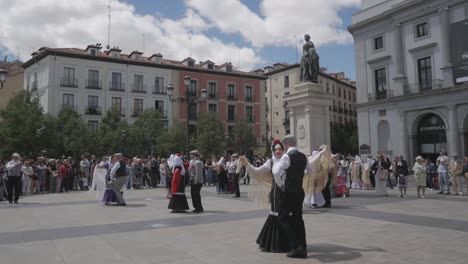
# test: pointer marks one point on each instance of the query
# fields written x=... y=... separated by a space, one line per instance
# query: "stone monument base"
x=309 y=115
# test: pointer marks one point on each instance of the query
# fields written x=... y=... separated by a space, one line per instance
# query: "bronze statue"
x=309 y=62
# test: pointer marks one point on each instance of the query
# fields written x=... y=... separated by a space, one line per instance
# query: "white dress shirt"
x=280 y=167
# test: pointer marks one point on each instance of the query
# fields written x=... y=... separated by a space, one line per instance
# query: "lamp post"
x=124 y=134
x=188 y=99
x=3 y=75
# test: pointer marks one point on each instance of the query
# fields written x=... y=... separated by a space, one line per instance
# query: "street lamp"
x=3 y=75
x=188 y=98
x=124 y=134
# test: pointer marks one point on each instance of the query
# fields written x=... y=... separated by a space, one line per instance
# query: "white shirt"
x=280 y=167
x=114 y=169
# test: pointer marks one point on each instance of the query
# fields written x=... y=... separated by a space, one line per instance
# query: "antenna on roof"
x=109 y=25
x=190 y=34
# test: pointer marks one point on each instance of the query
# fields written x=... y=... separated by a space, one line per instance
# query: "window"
x=380 y=83
x=229 y=68
x=117 y=104
x=193 y=88
x=93 y=52
x=249 y=113
x=159 y=105
x=231 y=91
x=92 y=125
x=339 y=91
x=230 y=129
x=378 y=43
x=210 y=66
x=116 y=83
x=213 y=108
x=28 y=82
x=345 y=106
x=34 y=84
x=68 y=100
x=354 y=97
x=115 y=54
x=248 y=93
x=344 y=93
x=421 y=30
x=93 y=100
x=138 y=83
x=93 y=80
x=333 y=89
x=69 y=77
x=231 y=113
x=212 y=90
x=349 y=95
x=159 y=86
x=137 y=107
x=328 y=88
x=425 y=73
x=286 y=81
x=191 y=64
x=192 y=111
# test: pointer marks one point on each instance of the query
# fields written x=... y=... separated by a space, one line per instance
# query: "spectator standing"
x=456 y=171
x=442 y=170
x=419 y=169
x=27 y=171
x=13 y=168
x=402 y=174
x=430 y=172
x=465 y=172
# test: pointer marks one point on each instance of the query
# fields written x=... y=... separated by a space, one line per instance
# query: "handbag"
x=401 y=180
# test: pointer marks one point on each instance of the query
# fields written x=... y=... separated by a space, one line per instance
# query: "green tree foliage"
x=22 y=127
x=243 y=137
x=210 y=135
x=74 y=134
x=109 y=135
x=172 y=140
x=143 y=136
x=344 y=139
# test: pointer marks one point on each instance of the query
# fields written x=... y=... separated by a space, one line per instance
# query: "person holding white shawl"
x=356 y=173
x=322 y=165
x=265 y=188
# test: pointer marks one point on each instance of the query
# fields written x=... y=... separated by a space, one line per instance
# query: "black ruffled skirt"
x=272 y=238
x=178 y=203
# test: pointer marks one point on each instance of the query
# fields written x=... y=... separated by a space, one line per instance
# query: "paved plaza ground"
x=75 y=228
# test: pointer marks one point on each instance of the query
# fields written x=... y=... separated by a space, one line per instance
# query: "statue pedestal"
x=309 y=115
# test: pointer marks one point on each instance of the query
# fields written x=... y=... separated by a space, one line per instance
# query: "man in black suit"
x=289 y=175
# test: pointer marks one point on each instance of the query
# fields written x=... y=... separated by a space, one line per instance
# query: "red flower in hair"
x=276 y=141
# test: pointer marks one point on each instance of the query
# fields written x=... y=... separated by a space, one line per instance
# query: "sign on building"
x=459 y=40
x=364 y=149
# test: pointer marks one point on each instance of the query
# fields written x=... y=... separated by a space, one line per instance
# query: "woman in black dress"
x=272 y=237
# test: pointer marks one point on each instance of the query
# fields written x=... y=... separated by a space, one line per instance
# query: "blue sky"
x=249 y=33
x=335 y=57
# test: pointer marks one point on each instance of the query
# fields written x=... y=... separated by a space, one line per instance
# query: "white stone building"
x=92 y=82
x=408 y=100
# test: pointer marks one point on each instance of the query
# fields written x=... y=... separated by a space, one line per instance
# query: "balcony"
x=159 y=90
x=231 y=97
x=117 y=86
x=250 y=119
x=340 y=109
x=346 y=111
x=120 y=110
x=93 y=110
x=69 y=106
x=249 y=98
x=67 y=82
x=422 y=86
x=334 y=108
x=139 y=88
x=94 y=84
x=386 y=94
x=212 y=96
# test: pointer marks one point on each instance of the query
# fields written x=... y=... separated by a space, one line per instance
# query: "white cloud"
x=28 y=25
x=280 y=20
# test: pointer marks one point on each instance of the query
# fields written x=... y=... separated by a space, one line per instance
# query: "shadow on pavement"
x=329 y=253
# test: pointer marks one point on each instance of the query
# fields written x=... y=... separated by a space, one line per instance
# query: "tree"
x=243 y=137
x=74 y=134
x=210 y=135
x=344 y=138
x=172 y=140
x=143 y=136
x=109 y=135
x=23 y=127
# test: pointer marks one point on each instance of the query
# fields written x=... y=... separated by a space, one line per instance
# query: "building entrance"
x=431 y=136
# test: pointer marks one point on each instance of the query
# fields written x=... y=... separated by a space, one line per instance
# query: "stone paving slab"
x=75 y=228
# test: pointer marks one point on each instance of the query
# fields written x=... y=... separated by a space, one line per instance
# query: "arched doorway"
x=431 y=136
